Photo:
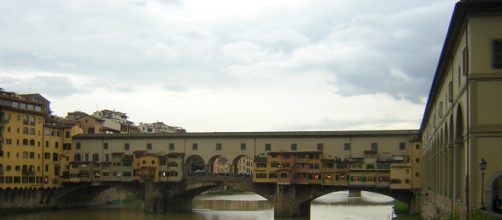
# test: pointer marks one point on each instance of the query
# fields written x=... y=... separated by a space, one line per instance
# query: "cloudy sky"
x=229 y=65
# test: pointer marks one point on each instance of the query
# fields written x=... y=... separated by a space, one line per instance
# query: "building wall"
x=88 y=123
x=462 y=123
x=21 y=149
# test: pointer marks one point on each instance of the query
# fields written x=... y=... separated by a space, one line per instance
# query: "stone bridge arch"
x=81 y=195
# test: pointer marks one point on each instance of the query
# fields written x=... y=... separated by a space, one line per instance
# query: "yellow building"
x=462 y=123
x=58 y=133
x=302 y=167
x=89 y=123
x=21 y=161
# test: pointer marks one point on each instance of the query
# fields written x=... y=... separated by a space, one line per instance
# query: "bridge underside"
x=288 y=200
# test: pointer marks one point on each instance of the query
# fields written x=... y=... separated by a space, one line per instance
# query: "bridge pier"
x=354 y=193
x=287 y=203
x=165 y=197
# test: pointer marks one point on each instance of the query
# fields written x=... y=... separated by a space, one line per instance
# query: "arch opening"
x=496 y=200
x=242 y=166
x=194 y=165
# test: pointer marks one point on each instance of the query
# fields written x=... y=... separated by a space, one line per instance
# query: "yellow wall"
x=21 y=149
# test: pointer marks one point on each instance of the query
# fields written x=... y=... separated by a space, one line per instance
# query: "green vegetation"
x=401 y=210
x=476 y=214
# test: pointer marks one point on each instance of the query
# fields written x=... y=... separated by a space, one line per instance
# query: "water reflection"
x=244 y=202
x=339 y=206
x=241 y=207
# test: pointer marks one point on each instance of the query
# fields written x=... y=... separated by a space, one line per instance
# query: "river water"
x=336 y=205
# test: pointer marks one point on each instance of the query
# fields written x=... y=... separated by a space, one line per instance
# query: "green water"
x=231 y=207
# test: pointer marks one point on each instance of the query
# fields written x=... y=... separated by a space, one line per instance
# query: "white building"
x=159 y=127
x=114 y=121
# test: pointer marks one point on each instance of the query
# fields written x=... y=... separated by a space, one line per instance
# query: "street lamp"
x=482 y=167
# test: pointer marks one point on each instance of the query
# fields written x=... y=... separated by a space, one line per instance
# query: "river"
x=336 y=205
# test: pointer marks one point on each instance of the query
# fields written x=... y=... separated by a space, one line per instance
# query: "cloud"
x=220 y=49
x=48 y=84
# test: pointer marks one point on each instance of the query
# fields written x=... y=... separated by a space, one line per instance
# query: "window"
x=243 y=146
x=268 y=147
x=218 y=146
x=497 y=54
x=417 y=160
x=171 y=146
x=95 y=157
x=25 y=119
x=127 y=146
x=55 y=157
x=294 y=146
x=402 y=146
x=26 y=130
x=105 y=146
x=450 y=92
x=90 y=131
x=417 y=174
x=320 y=146
x=149 y=146
x=78 y=146
x=346 y=146
x=56 y=145
x=417 y=146
x=67 y=134
x=374 y=146
x=77 y=157
x=25 y=141
x=47 y=155
x=32 y=143
x=194 y=146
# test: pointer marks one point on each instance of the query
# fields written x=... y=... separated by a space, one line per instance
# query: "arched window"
x=25 y=130
x=32 y=142
x=25 y=154
x=32 y=155
x=32 y=131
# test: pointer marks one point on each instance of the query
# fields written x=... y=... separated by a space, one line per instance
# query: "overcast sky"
x=229 y=65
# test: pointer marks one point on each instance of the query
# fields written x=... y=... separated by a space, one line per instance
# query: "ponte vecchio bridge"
x=290 y=169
